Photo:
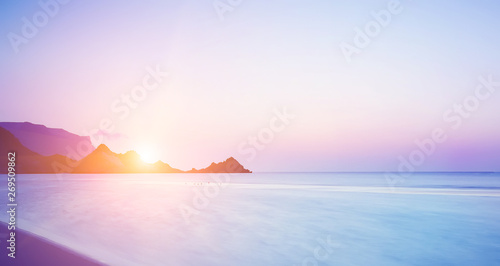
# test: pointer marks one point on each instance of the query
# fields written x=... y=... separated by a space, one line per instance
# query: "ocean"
x=266 y=218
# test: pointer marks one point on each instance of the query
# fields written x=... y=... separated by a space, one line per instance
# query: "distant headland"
x=39 y=149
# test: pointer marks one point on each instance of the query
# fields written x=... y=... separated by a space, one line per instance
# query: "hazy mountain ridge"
x=27 y=161
x=100 y=160
x=49 y=141
x=103 y=160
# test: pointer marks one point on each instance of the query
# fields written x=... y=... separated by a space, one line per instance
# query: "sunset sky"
x=226 y=78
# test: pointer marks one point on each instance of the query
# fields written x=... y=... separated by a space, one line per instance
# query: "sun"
x=148 y=155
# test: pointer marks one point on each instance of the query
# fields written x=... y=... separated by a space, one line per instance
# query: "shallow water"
x=267 y=218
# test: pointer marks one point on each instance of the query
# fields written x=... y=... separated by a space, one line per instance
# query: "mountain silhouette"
x=100 y=160
x=103 y=160
x=49 y=141
x=230 y=165
x=28 y=161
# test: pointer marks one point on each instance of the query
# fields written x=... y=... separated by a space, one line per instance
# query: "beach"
x=31 y=249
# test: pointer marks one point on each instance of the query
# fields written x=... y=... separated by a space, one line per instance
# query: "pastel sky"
x=226 y=76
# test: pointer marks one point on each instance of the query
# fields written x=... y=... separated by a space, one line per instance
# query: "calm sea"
x=266 y=218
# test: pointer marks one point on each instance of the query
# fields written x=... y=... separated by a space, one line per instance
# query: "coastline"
x=32 y=249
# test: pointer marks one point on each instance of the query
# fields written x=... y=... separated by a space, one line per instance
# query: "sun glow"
x=148 y=155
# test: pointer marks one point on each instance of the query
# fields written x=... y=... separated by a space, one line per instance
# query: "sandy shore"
x=34 y=250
